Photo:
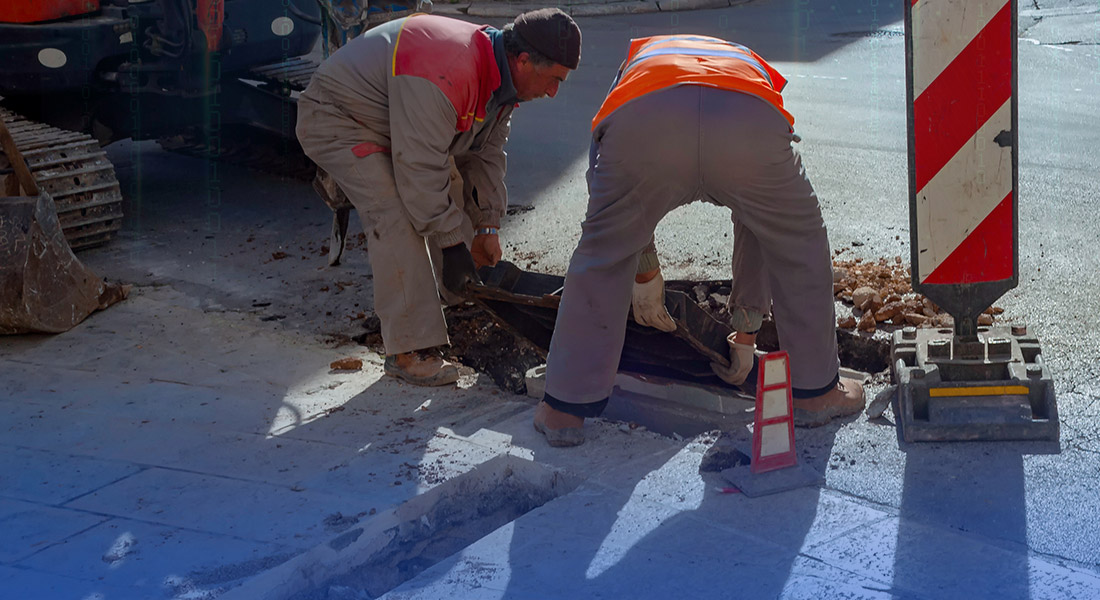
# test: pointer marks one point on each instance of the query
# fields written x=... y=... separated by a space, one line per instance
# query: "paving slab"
x=255 y=457
x=99 y=435
x=619 y=552
x=389 y=478
x=377 y=410
x=155 y=560
x=937 y=563
x=810 y=579
x=29 y=528
x=243 y=509
x=25 y=583
x=50 y=477
x=231 y=403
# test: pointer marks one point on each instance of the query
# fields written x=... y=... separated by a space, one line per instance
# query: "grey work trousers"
x=661 y=151
x=406 y=265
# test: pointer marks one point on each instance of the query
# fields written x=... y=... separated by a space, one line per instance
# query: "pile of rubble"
x=881 y=292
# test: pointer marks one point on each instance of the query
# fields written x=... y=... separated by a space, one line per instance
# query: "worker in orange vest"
x=693 y=117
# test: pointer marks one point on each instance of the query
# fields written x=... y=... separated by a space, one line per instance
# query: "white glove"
x=649 y=304
x=740 y=362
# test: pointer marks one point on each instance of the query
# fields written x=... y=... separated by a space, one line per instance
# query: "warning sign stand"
x=974 y=382
x=774 y=464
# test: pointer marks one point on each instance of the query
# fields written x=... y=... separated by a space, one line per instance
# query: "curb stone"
x=615 y=8
x=584 y=9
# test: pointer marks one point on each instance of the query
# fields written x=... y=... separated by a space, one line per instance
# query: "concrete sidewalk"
x=166 y=450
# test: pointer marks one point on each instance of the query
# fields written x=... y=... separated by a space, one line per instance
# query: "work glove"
x=649 y=304
x=458 y=269
x=740 y=362
x=486 y=250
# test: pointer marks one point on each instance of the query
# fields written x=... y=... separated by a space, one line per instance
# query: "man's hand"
x=649 y=303
x=458 y=269
x=486 y=250
x=740 y=362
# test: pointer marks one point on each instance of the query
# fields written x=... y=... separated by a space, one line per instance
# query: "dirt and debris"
x=346 y=364
x=721 y=455
x=519 y=209
x=480 y=342
x=860 y=352
x=477 y=341
x=372 y=325
x=881 y=299
x=337 y=522
x=880 y=292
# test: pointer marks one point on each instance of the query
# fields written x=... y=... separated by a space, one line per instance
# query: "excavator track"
x=293 y=74
x=251 y=147
x=76 y=173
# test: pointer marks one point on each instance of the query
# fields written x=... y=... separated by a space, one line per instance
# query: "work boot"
x=846 y=398
x=561 y=429
x=421 y=367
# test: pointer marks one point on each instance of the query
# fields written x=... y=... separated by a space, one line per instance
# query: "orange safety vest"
x=663 y=61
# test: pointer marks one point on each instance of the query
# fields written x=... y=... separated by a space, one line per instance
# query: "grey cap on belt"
x=553 y=33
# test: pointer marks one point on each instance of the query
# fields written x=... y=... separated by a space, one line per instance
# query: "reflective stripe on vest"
x=700 y=52
x=660 y=62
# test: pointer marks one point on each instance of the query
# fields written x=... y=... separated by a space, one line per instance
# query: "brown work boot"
x=843 y=400
x=561 y=429
x=421 y=367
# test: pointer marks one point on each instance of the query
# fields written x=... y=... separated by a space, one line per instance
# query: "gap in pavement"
x=391 y=548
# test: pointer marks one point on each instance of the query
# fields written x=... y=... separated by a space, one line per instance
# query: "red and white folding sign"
x=961 y=59
x=773 y=425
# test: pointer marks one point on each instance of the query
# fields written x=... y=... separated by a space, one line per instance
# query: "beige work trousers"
x=667 y=149
x=406 y=265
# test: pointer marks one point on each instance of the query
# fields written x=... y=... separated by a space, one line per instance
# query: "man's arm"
x=648 y=298
x=648 y=265
x=483 y=169
x=422 y=127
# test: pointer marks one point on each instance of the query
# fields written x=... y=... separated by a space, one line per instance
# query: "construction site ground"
x=193 y=442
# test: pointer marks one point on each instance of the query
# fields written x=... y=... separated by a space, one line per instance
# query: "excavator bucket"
x=43 y=286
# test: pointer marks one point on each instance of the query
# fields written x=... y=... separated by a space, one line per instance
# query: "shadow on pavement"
x=969 y=488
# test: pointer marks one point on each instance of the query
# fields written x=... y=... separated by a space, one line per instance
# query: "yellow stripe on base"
x=989 y=390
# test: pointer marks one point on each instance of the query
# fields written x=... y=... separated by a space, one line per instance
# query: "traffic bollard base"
x=992 y=387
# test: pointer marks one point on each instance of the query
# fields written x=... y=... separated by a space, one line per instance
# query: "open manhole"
x=860 y=351
x=379 y=554
x=874 y=298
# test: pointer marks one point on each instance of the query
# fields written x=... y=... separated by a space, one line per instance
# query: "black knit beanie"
x=553 y=33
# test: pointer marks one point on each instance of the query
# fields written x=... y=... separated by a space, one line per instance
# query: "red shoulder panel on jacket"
x=455 y=56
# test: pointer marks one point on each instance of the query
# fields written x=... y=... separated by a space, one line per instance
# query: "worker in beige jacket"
x=385 y=116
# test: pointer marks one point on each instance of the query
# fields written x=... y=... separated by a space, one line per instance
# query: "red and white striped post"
x=961 y=84
x=773 y=422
